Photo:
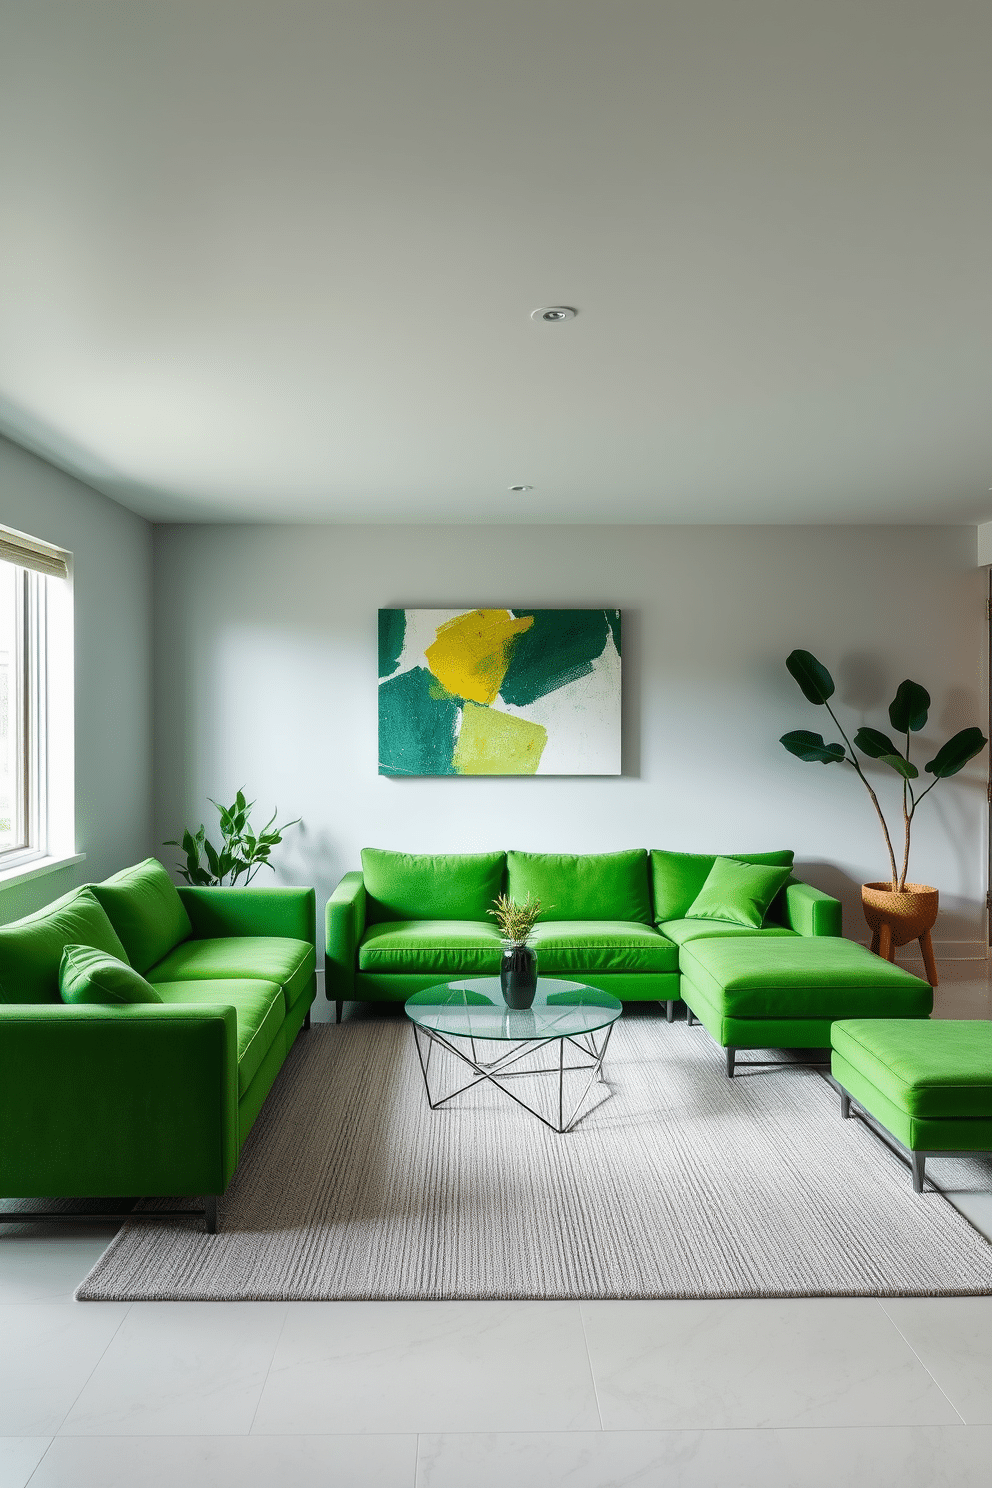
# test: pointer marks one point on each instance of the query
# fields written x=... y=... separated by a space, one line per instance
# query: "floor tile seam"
x=592 y=1371
x=922 y=1361
x=103 y=1354
x=51 y=1443
x=268 y=1369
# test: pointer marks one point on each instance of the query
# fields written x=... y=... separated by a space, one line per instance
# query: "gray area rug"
x=683 y=1184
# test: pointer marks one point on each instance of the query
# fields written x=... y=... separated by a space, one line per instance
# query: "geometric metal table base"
x=497 y=1070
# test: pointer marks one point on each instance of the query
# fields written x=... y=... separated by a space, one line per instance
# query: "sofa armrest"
x=809 y=911
x=133 y=1100
x=217 y=912
x=345 y=928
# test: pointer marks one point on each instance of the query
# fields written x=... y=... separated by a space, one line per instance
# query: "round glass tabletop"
x=474 y=1008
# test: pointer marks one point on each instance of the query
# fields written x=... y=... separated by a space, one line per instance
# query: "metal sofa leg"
x=845 y=1105
x=730 y=1051
x=919 y=1161
x=210 y=1214
x=690 y=1016
x=338 y=1010
x=670 y=1010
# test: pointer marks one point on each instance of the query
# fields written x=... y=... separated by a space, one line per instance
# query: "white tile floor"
x=489 y=1394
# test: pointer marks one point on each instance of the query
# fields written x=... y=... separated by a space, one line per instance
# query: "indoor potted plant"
x=242 y=851
x=897 y=911
x=518 y=967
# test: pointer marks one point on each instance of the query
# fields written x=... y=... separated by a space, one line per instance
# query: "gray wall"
x=266 y=677
x=112 y=606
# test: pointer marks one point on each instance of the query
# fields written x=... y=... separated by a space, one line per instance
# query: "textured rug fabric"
x=683 y=1184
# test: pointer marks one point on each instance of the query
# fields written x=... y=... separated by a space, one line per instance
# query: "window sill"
x=38 y=869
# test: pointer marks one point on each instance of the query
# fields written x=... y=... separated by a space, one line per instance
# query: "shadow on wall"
x=960 y=919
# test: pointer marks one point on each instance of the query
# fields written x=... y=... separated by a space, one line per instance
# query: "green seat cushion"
x=270 y=958
x=576 y=946
x=31 y=949
x=676 y=878
x=823 y=977
x=682 y=931
x=446 y=948
x=427 y=886
x=145 y=909
x=928 y=1069
x=258 y=1005
x=583 y=886
x=87 y=975
x=740 y=893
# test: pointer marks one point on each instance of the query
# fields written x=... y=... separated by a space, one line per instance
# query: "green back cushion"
x=87 y=975
x=678 y=877
x=738 y=892
x=429 y=886
x=584 y=886
x=145 y=909
x=31 y=949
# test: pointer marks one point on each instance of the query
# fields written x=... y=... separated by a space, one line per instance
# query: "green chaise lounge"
x=617 y=921
x=152 y=1098
x=927 y=1085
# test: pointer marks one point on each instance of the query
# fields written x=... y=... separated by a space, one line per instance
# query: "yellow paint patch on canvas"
x=472 y=652
x=494 y=743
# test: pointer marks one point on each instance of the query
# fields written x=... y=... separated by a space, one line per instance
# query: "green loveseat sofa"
x=148 y=1098
x=616 y=921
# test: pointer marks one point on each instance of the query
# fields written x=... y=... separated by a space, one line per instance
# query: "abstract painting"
x=499 y=692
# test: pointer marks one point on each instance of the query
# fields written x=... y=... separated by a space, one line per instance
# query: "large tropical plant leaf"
x=955 y=754
x=874 y=743
x=812 y=747
x=900 y=764
x=909 y=709
x=814 y=679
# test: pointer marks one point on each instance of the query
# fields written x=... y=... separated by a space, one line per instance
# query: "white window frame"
x=46 y=658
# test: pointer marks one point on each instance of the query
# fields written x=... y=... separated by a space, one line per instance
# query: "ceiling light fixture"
x=520 y=488
x=554 y=314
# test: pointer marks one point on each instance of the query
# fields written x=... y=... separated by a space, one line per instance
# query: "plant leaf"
x=814 y=679
x=900 y=764
x=955 y=754
x=909 y=708
x=874 y=744
x=812 y=748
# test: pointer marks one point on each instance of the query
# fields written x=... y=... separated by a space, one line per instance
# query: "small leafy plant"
x=242 y=852
x=908 y=713
x=515 y=920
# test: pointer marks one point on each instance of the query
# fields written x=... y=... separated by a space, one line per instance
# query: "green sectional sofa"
x=155 y=1097
x=616 y=921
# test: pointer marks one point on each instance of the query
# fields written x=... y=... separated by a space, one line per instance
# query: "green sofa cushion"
x=269 y=958
x=677 y=878
x=928 y=1069
x=427 y=886
x=583 y=886
x=445 y=948
x=799 y=977
x=145 y=909
x=259 y=1008
x=31 y=949
x=577 y=946
x=740 y=893
x=88 y=975
x=682 y=931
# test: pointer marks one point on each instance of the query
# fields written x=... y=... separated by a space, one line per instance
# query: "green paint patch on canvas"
x=494 y=743
x=560 y=647
x=416 y=727
x=392 y=631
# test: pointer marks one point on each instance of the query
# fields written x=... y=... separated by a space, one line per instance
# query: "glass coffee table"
x=458 y=1016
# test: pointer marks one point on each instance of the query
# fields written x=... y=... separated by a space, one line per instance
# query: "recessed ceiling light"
x=520 y=488
x=554 y=314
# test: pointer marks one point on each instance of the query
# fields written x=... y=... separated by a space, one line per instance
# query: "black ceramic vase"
x=518 y=975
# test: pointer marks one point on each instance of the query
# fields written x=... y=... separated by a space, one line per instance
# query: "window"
x=35 y=703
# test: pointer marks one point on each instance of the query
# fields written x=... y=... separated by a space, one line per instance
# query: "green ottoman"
x=752 y=993
x=929 y=1085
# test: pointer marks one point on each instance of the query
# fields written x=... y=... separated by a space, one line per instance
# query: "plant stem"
x=874 y=799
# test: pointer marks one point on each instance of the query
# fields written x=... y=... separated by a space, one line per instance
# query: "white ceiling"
x=270 y=260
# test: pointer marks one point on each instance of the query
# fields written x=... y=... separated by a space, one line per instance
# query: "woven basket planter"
x=896 y=918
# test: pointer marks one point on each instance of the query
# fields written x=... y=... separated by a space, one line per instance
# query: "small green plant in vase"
x=518 y=968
